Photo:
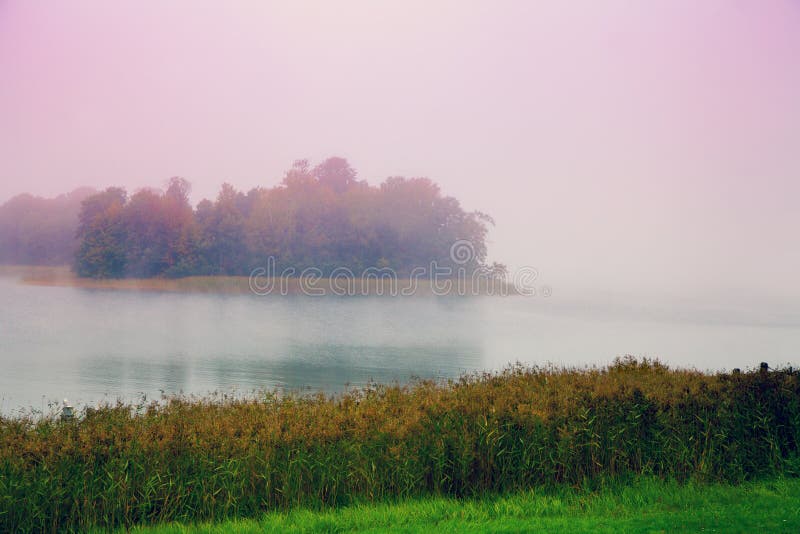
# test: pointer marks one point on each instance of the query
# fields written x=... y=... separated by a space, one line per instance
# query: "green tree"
x=101 y=229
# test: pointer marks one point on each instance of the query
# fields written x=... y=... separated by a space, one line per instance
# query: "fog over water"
x=98 y=345
x=642 y=156
x=644 y=148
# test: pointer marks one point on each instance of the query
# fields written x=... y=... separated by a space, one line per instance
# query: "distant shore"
x=62 y=276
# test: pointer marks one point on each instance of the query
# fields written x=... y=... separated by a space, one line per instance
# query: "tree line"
x=40 y=231
x=322 y=217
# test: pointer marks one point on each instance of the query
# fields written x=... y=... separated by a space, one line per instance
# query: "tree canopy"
x=319 y=216
x=40 y=231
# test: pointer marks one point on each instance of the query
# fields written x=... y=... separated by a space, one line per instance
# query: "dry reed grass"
x=217 y=458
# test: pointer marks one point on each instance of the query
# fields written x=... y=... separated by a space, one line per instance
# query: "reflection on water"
x=315 y=367
x=101 y=345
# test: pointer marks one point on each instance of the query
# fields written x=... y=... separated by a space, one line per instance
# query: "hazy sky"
x=618 y=144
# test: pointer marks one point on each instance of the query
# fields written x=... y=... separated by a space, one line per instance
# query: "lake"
x=101 y=345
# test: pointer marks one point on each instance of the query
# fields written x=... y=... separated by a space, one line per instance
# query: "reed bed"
x=208 y=460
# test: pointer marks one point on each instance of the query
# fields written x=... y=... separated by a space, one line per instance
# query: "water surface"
x=96 y=345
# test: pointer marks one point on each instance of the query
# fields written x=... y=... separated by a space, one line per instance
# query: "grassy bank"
x=486 y=434
x=646 y=505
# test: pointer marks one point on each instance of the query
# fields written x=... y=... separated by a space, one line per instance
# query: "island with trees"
x=320 y=216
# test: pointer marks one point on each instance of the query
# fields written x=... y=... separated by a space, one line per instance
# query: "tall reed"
x=192 y=460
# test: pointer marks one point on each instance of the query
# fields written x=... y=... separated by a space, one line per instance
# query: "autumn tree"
x=321 y=217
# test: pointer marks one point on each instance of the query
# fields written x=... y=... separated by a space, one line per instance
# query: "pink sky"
x=618 y=144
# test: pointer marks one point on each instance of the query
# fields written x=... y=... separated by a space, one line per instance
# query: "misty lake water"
x=100 y=345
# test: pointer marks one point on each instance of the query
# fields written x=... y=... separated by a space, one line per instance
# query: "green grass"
x=647 y=505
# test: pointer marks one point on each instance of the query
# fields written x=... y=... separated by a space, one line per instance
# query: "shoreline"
x=62 y=276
